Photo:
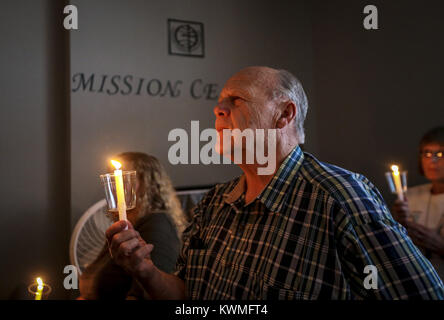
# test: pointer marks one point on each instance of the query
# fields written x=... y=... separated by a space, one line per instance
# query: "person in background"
x=422 y=213
x=158 y=219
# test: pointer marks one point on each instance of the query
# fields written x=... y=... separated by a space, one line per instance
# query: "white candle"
x=121 y=205
x=397 y=181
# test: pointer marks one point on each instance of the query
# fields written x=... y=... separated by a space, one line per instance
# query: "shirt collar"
x=275 y=192
x=237 y=191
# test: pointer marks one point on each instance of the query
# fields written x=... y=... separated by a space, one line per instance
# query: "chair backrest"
x=88 y=236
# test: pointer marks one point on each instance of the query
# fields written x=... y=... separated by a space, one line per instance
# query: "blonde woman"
x=158 y=218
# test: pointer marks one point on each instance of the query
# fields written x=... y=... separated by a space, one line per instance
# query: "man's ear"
x=288 y=113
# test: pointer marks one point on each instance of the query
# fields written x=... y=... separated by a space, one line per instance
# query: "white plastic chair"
x=88 y=237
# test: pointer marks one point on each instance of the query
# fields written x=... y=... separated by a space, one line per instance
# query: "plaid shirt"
x=308 y=235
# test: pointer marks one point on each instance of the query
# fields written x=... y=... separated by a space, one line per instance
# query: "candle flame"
x=395 y=169
x=40 y=283
x=116 y=164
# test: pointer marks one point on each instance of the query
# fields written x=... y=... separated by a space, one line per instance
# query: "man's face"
x=245 y=103
x=433 y=166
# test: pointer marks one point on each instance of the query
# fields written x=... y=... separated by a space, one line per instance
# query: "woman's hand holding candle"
x=400 y=211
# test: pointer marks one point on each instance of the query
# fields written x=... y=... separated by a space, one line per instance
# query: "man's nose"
x=221 y=111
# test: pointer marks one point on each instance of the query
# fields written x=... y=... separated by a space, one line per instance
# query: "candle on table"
x=397 y=181
x=121 y=205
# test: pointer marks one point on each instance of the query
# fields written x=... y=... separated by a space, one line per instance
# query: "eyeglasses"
x=430 y=154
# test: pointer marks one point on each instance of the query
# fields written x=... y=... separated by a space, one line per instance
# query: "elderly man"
x=311 y=230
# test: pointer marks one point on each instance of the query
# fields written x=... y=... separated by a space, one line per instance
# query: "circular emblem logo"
x=187 y=38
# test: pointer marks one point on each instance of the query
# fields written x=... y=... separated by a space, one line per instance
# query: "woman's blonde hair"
x=157 y=193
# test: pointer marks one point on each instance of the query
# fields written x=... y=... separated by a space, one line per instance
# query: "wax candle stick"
x=38 y=294
x=397 y=181
x=121 y=205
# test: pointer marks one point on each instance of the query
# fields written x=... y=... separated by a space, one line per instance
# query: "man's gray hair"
x=290 y=87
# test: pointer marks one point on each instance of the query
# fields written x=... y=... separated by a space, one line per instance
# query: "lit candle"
x=397 y=181
x=121 y=205
x=38 y=294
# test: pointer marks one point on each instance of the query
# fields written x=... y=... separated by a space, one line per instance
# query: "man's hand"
x=132 y=253
x=400 y=211
x=128 y=249
x=426 y=238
